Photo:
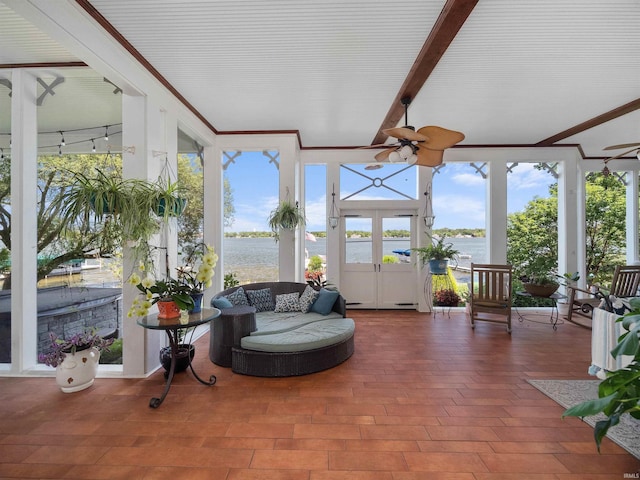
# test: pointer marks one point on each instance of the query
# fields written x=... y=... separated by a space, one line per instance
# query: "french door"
x=376 y=268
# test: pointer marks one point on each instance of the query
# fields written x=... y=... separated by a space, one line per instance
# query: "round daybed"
x=280 y=329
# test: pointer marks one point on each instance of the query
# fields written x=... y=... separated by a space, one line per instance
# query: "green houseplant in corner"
x=619 y=393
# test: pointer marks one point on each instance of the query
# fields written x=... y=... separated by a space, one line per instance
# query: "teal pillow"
x=324 y=302
x=221 y=302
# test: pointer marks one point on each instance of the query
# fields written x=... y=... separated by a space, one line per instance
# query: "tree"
x=57 y=243
x=190 y=176
x=229 y=209
x=533 y=233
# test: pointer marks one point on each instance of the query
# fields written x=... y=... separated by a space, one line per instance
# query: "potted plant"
x=287 y=216
x=197 y=272
x=437 y=255
x=104 y=197
x=446 y=298
x=619 y=392
x=170 y=294
x=169 y=199
x=75 y=359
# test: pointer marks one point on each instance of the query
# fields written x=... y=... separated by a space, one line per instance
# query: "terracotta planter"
x=168 y=309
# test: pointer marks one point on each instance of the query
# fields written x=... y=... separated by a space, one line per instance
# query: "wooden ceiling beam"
x=452 y=17
x=594 y=122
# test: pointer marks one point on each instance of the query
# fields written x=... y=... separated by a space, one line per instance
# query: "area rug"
x=572 y=392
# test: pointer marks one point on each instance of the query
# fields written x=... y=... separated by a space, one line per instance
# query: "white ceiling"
x=517 y=72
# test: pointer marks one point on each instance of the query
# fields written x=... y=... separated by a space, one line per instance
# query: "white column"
x=581 y=225
x=289 y=245
x=567 y=217
x=168 y=166
x=213 y=214
x=24 y=228
x=632 y=218
x=144 y=129
x=496 y=212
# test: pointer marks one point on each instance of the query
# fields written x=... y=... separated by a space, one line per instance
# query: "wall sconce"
x=428 y=216
x=333 y=214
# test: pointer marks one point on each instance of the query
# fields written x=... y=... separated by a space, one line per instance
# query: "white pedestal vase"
x=78 y=370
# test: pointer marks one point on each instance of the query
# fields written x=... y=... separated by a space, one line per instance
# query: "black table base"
x=155 y=402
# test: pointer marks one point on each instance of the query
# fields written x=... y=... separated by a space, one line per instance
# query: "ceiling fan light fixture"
x=405 y=152
x=412 y=159
x=395 y=157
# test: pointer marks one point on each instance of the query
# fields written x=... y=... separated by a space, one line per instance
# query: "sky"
x=458 y=192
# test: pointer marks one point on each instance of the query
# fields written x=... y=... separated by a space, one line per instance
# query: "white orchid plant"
x=199 y=268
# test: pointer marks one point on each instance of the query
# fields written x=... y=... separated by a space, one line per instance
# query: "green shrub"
x=315 y=264
x=114 y=354
x=230 y=280
x=390 y=259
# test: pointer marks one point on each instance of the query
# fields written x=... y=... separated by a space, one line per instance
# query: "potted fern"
x=287 y=216
x=437 y=255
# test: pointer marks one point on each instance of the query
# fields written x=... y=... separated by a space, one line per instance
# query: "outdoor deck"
x=423 y=397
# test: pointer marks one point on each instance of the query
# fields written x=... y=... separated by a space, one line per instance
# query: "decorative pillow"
x=238 y=297
x=307 y=298
x=287 y=302
x=324 y=302
x=261 y=299
x=221 y=302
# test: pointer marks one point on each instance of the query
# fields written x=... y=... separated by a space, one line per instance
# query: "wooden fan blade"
x=622 y=145
x=373 y=166
x=383 y=155
x=440 y=138
x=379 y=145
x=405 y=134
x=428 y=157
x=622 y=154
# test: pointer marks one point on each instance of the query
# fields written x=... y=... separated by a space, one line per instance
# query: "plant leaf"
x=590 y=407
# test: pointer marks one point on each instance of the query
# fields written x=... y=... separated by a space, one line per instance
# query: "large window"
x=250 y=249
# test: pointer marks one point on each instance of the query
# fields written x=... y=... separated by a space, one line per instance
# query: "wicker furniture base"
x=288 y=364
x=227 y=330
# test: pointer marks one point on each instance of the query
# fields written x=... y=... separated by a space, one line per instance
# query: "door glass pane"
x=358 y=244
x=396 y=239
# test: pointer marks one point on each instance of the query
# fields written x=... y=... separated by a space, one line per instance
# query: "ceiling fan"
x=633 y=147
x=629 y=147
x=425 y=146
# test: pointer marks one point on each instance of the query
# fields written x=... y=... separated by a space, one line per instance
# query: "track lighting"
x=62 y=139
x=106 y=133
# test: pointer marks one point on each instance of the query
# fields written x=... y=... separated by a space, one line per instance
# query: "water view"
x=256 y=260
